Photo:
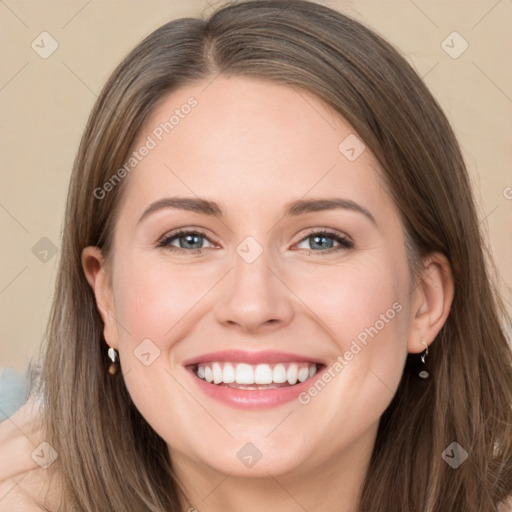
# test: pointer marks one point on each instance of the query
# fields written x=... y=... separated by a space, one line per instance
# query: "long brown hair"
x=110 y=459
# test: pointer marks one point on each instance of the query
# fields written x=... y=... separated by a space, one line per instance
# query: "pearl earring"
x=424 y=372
x=112 y=354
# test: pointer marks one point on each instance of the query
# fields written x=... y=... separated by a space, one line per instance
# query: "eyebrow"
x=293 y=208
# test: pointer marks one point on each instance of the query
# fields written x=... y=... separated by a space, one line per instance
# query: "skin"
x=252 y=146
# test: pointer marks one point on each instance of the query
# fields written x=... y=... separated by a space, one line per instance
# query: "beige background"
x=45 y=103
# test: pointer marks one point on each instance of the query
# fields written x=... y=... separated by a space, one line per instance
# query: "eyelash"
x=345 y=242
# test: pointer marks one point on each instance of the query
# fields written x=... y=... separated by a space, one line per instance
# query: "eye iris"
x=317 y=238
x=190 y=239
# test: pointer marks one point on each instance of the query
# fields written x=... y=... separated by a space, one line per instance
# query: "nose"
x=255 y=297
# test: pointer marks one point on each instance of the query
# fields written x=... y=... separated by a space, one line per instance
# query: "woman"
x=272 y=289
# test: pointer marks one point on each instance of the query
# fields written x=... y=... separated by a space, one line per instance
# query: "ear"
x=431 y=302
x=96 y=272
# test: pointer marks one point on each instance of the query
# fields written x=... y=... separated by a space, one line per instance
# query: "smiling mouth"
x=255 y=377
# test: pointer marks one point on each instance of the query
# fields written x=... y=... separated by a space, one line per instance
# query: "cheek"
x=156 y=304
x=152 y=298
x=350 y=297
x=362 y=307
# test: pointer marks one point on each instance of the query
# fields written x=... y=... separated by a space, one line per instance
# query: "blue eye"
x=325 y=240
x=320 y=241
x=186 y=239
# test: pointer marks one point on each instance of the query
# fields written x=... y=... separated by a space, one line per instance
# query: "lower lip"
x=254 y=398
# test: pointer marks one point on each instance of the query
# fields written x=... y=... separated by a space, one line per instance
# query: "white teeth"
x=279 y=374
x=303 y=374
x=228 y=375
x=208 y=374
x=217 y=373
x=292 y=373
x=244 y=374
x=260 y=374
x=263 y=374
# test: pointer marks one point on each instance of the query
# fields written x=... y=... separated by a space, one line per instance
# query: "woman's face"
x=292 y=253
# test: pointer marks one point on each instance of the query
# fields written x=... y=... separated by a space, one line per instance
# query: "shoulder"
x=25 y=479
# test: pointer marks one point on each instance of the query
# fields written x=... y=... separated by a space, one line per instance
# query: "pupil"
x=190 y=240
x=318 y=238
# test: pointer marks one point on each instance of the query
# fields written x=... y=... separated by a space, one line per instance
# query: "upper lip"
x=250 y=357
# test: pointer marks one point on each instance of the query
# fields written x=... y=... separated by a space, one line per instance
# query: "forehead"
x=245 y=141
